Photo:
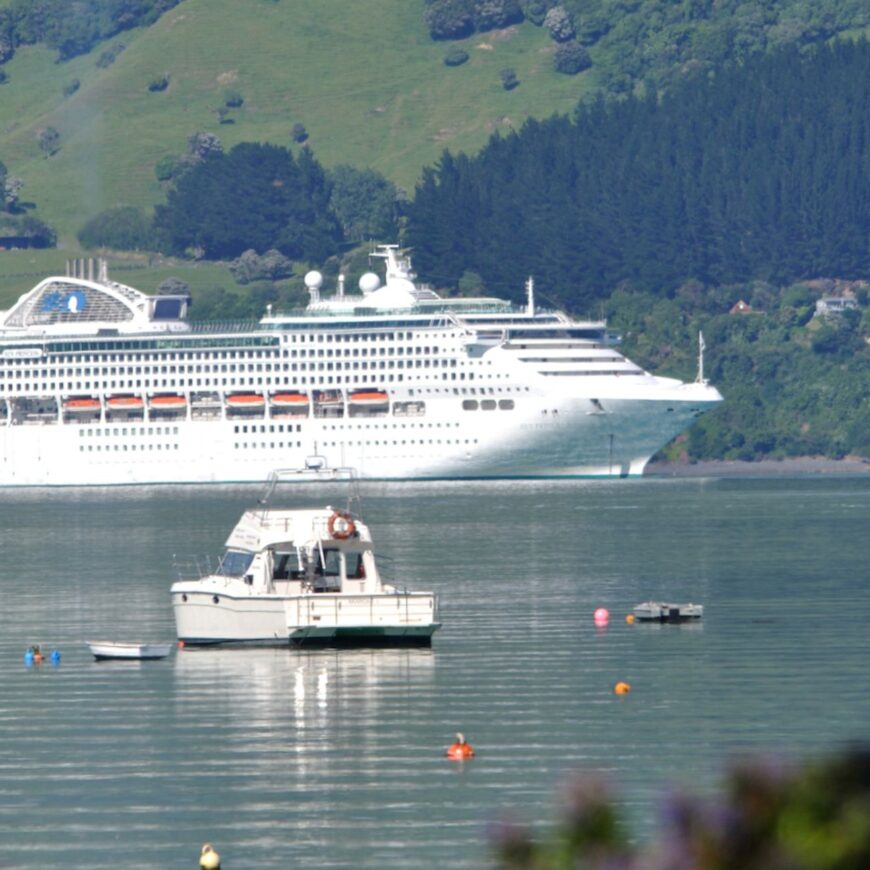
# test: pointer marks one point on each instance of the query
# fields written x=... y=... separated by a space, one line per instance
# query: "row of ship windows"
x=123 y=448
x=248 y=445
x=233 y=368
x=598 y=373
x=487 y=405
x=342 y=426
x=128 y=430
x=340 y=338
x=194 y=355
x=364 y=351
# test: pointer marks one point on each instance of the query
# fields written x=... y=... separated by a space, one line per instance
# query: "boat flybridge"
x=303 y=576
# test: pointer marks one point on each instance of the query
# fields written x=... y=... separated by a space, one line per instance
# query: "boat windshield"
x=234 y=563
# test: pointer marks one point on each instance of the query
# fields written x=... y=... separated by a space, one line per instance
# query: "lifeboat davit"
x=167 y=402
x=246 y=400
x=81 y=405
x=125 y=403
x=369 y=397
x=290 y=400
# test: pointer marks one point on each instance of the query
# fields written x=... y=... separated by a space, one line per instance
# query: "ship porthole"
x=184 y=596
x=215 y=599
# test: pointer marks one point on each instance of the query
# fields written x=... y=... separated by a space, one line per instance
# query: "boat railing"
x=193 y=567
x=316 y=469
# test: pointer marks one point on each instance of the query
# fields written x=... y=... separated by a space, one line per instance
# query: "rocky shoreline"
x=800 y=466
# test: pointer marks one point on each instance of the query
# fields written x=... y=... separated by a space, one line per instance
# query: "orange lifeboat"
x=460 y=751
x=369 y=397
x=289 y=400
x=167 y=402
x=246 y=400
x=125 y=403
x=81 y=405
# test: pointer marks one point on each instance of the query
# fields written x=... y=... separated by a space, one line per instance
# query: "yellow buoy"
x=209 y=859
x=621 y=688
x=630 y=619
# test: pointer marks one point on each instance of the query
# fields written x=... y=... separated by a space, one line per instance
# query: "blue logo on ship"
x=73 y=302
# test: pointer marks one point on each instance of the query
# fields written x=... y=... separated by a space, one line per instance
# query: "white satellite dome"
x=369 y=283
x=313 y=280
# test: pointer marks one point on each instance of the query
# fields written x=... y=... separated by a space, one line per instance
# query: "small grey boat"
x=663 y=611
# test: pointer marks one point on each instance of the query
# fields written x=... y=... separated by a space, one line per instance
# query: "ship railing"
x=221 y=326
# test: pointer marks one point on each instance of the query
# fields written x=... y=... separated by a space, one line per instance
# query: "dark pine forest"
x=759 y=172
x=662 y=212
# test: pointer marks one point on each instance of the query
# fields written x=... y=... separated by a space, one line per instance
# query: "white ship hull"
x=530 y=442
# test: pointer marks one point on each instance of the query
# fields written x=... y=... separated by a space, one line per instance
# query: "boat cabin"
x=296 y=552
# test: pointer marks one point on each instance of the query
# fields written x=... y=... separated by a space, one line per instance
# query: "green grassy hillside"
x=363 y=77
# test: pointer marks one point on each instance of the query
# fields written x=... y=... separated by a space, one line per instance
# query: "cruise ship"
x=102 y=384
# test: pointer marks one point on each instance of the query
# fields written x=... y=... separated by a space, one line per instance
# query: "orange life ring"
x=349 y=526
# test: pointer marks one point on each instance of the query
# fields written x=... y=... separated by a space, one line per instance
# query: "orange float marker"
x=460 y=751
x=621 y=688
x=630 y=619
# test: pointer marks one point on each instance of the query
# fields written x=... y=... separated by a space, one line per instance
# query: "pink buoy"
x=601 y=616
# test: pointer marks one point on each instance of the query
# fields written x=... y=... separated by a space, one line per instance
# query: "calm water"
x=334 y=759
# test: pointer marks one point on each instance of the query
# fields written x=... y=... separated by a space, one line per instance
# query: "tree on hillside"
x=559 y=23
x=124 y=228
x=251 y=266
x=364 y=202
x=449 y=19
x=254 y=197
x=49 y=141
x=73 y=28
x=571 y=58
x=489 y=14
x=10 y=187
x=202 y=145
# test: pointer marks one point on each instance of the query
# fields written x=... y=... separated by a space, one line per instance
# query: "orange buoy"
x=630 y=619
x=621 y=688
x=460 y=751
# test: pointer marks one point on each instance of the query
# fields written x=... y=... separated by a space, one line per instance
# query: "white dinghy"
x=110 y=649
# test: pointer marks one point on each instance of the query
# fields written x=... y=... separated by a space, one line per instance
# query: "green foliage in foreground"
x=815 y=816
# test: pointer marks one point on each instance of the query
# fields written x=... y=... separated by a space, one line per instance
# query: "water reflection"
x=319 y=683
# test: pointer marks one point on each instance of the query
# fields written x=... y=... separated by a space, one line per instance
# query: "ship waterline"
x=100 y=385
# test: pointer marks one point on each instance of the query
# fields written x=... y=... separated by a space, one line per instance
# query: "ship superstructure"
x=102 y=384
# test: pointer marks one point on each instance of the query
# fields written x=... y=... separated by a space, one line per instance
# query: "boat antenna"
x=701 y=346
x=530 y=292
